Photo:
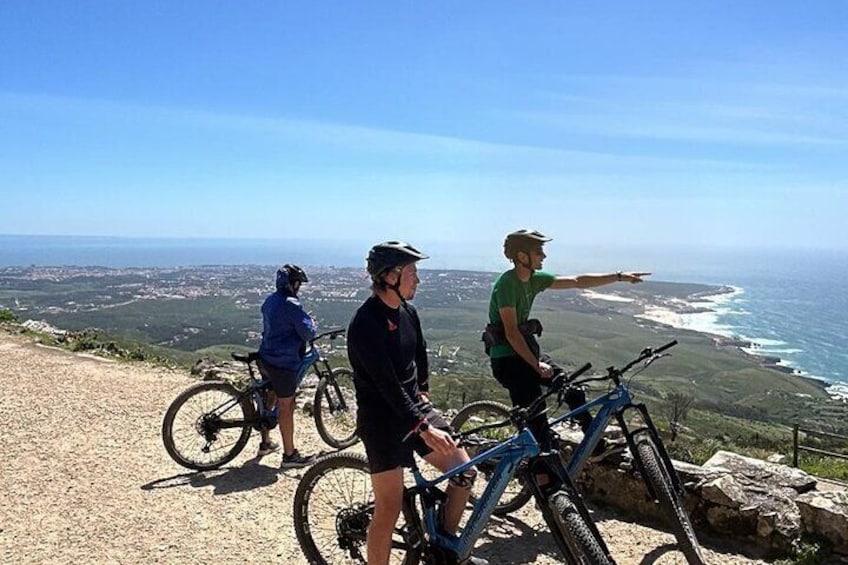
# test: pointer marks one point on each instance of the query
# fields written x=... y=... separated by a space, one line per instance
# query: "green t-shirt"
x=510 y=291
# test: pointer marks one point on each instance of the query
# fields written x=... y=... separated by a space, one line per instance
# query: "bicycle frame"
x=613 y=404
x=510 y=452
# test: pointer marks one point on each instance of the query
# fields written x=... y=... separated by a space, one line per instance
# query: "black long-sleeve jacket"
x=388 y=354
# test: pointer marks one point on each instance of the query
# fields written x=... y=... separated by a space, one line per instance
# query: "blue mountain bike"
x=333 y=504
x=649 y=453
x=210 y=423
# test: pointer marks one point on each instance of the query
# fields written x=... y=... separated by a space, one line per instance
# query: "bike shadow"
x=497 y=544
x=226 y=480
x=655 y=554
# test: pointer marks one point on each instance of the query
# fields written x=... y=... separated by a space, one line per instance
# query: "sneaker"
x=448 y=557
x=296 y=460
x=471 y=560
x=267 y=447
x=606 y=449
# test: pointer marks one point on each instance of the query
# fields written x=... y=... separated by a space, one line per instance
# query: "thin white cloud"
x=355 y=139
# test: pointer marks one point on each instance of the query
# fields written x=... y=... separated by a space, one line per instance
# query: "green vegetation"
x=178 y=316
x=7 y=316
x=809 y=550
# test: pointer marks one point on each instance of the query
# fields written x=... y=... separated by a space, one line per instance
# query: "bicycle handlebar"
x=331 y=334
x=254 y=355
x=519 y=415
x=648 y=354
x=645 y=354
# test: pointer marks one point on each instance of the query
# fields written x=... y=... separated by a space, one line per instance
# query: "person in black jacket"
x=388 y=355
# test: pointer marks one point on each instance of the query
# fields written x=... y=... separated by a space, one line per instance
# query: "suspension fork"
x=337 y=402
x=552 y=465
x=649 y=427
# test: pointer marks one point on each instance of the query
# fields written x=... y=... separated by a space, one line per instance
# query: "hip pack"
x=494 y=334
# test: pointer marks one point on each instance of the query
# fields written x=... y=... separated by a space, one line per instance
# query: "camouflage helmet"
x=523 y=240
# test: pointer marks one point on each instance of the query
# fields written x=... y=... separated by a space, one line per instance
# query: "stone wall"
x=759 y=503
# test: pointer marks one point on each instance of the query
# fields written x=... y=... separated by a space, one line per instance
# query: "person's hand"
x=545 y=371
x=633 y=278
x=424 y=396
x=439 y=441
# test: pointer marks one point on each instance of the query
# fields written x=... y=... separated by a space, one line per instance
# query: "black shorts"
x=524 y=385
x=383 y=441
x=283 y=381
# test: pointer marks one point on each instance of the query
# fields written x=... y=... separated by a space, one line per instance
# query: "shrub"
x=8 y=317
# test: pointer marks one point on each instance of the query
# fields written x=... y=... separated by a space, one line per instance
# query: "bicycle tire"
x=575 y=532
x=669 y=501
x=191 y=428
x=517 y=493
x=332 y=506
x=334 y=420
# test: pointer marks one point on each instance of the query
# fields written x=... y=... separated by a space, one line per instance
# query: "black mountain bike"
x=210 y=423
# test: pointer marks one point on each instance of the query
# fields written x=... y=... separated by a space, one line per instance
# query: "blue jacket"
x=286 y=328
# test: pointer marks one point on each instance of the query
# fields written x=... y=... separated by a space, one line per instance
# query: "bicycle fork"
x=552 y=466
x=648 y=426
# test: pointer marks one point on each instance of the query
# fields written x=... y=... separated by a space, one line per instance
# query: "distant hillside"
x=187 y=313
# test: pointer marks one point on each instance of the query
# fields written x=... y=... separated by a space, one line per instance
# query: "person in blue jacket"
x=286 y=329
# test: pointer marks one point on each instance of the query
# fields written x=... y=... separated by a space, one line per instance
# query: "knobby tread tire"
x=349 y=492
x=669 y=501
x=575 y=528
x=344 y=379
x=243 y=405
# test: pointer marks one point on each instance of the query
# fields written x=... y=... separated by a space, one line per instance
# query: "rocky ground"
x=84 y=479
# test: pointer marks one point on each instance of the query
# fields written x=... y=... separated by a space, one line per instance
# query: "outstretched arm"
x=591 y=281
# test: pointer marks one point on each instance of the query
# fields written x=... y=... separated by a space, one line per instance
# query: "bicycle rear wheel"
x=577 y=539
x=669 y=501
x=333 y=506
x=207 y=425
x=476 y=414
x=334 y=408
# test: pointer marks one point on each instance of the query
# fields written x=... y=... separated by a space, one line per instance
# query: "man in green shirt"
x=517 y=362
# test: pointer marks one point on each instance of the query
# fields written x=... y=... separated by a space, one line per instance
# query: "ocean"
x=791 y=304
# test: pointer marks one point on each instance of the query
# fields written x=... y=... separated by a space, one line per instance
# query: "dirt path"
x=84 y=479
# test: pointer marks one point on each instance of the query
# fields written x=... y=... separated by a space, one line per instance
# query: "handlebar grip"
x=579 y=371
x=666 y=346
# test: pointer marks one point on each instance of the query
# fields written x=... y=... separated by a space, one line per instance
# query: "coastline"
x=701 y=313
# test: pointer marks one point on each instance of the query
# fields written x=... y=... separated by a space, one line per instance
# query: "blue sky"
x=600 y=123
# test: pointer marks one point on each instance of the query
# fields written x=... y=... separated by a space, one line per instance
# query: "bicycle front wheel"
x=669 y=501
x=576 y=538
x=334 y=408
x=333 y=506
x=476 y=414
x=207 y=425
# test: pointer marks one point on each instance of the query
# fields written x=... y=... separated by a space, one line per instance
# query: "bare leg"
x=270 y=399
x=457 y=497
x=388 y=499
x=286 y=418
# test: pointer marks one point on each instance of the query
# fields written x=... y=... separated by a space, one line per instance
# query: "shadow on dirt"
x=227 y=480
x=498 y=542
x=250 y=475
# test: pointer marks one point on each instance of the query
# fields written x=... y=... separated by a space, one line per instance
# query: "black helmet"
x=389 y=255
x=523 y=240
x=289 y=274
